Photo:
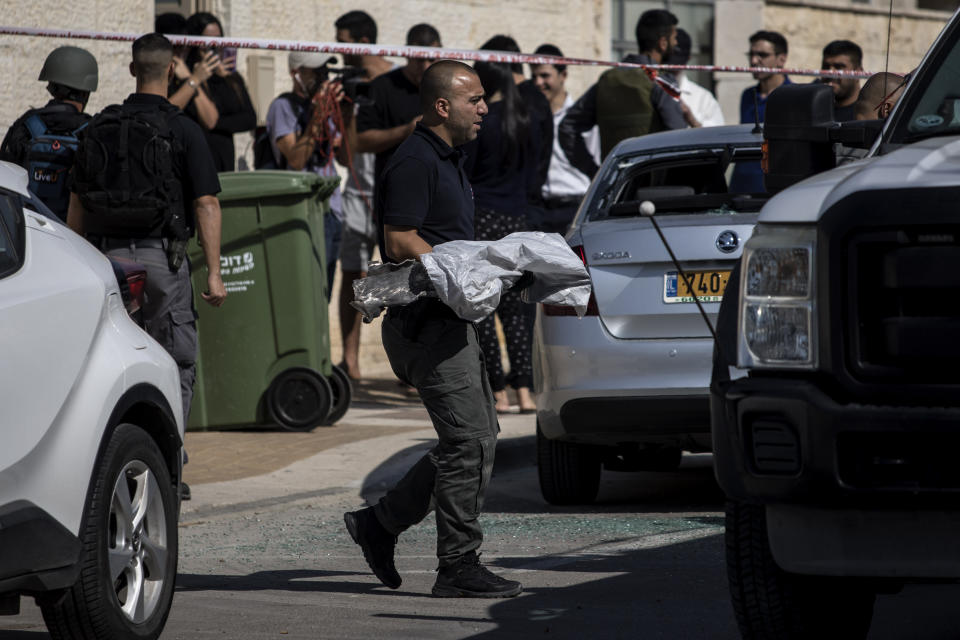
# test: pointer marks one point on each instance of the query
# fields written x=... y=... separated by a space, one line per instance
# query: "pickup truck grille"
x=903 y=305
x=898 y=460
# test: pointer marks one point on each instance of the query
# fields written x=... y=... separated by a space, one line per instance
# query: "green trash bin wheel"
x=299 y=399
x=342 y=394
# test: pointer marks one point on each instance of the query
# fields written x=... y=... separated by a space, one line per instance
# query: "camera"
x=354 y=86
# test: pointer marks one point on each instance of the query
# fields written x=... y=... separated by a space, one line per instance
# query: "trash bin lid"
x=246 y=185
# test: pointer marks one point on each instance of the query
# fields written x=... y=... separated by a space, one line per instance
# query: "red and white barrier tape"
x=413 y=52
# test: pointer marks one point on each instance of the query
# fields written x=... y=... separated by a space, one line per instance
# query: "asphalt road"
x=645 y=562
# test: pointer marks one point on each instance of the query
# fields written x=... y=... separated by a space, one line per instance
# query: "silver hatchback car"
x=626 y=387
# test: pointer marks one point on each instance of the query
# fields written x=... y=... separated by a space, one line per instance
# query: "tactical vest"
x=625 y=107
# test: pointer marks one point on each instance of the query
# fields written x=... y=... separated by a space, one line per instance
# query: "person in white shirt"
x=565 y=185
x=704 y=110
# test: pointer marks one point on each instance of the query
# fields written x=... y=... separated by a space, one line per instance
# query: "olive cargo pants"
x=439 y=355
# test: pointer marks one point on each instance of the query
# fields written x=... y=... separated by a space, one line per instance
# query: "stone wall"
x=22 y=57
x=808 y=29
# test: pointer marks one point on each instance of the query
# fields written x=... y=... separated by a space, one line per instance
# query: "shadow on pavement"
x=648 y=597
x=691 y=488
x=294 y=580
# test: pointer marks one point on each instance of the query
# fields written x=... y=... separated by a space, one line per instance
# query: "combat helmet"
x=71 y=67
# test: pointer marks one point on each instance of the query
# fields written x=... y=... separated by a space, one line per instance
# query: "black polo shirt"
x=424 y=185
x=395 y=101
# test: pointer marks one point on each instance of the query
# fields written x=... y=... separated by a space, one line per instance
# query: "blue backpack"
x=48 y=162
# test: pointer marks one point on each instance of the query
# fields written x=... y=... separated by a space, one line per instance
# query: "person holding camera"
x=305 y=128
x=213 y=75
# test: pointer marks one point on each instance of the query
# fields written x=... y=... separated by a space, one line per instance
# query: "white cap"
x=309 y=59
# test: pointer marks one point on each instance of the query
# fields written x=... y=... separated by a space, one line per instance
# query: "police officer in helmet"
x=71 y=75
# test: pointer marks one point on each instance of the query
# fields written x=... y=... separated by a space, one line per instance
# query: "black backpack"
x=127 y=174
x=49 y=157
x=263 y=152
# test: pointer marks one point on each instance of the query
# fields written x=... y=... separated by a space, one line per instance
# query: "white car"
x=92 y=433
x=625 y=387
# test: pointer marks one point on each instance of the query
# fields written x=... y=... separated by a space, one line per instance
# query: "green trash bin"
x=264 y=356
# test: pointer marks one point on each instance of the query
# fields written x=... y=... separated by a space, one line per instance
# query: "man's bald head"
x=439 y=80
x=878 y=87
x=451 y=98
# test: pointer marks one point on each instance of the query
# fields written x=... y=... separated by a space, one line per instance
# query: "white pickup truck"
x=838 y=450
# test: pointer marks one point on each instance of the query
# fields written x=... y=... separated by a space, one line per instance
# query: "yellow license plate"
x=708 y=285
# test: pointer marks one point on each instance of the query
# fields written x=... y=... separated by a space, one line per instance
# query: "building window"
x=939 y=5
x=187 y=8
x=694 y=16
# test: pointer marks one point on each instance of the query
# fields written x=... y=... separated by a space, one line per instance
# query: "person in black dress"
x=225 y=89
x=503 y=167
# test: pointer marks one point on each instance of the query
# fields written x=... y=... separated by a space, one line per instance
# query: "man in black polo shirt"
x=425 y=199
x=168 y=314
x=395 y=102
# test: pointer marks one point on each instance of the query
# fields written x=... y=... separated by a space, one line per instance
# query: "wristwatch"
x=192 y=83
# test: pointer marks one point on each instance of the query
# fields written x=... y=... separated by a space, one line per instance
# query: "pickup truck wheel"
x=770 y=603
x=569 y=473
x=130 y=548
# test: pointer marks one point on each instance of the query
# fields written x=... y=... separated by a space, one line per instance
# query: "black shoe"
x=467 y=578
x=184 y=491
x=377 y=544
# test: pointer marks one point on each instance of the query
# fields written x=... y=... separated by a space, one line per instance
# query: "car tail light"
x=132 y=279
x=138 y=283
x=558 y=310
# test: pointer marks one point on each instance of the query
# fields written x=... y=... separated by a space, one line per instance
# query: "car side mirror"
x=859 y=134
x=796 y=134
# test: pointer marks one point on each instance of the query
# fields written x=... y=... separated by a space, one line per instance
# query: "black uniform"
x=424 y=186
x=395 y=101
x=168 y=312
x=844 y=114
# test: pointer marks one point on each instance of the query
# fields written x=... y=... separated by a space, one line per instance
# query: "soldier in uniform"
x=168 y=312
x=71 y=75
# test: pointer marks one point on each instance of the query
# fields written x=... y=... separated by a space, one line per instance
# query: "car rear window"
x=701 y=184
